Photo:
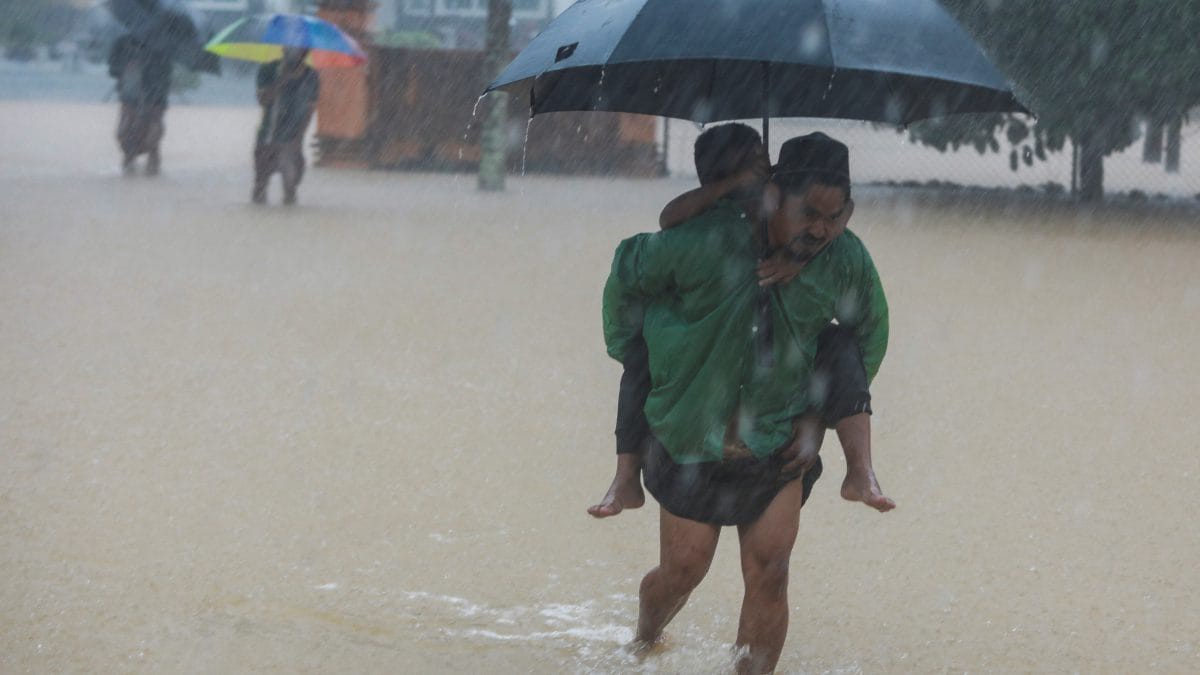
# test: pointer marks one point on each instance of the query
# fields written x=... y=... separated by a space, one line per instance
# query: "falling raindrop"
x=829 y=87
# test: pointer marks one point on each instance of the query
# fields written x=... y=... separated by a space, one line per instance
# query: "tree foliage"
x=1091 y=70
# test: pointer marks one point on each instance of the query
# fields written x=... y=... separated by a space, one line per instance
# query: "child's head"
x=725 y=150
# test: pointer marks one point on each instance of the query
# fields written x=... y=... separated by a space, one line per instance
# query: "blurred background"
x=1113 y=85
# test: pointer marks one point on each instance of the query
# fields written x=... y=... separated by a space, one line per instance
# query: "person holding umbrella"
x=732 y=358
x=159 y=34
x=734 y=441
x=287 y=92
x=143 y=76
x=289 y=46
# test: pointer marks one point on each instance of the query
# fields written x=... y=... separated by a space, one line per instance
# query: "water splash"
x=588 y=621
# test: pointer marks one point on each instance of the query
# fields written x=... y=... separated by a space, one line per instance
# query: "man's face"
x=805 y=223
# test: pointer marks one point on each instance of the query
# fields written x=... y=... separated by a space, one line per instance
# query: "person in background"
x=143 y=76
x=287 y=92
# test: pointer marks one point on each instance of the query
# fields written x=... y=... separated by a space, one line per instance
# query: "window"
x=220 y=5
x=479 y=8
x=535 y=9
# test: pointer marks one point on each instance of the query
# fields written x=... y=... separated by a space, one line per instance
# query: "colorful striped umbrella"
x=262 y=39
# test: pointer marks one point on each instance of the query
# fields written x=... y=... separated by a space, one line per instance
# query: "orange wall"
x=344 y=103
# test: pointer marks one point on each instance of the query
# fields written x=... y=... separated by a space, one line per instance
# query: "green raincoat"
x=691 y=291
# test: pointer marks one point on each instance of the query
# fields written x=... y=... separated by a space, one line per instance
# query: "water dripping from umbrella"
x=525 y=145
x=470 y=123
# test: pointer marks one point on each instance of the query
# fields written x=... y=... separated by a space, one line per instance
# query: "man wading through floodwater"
x=734 y=441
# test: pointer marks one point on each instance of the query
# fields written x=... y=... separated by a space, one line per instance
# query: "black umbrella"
x=709 y=60
x=891 y=61
x=166 y=27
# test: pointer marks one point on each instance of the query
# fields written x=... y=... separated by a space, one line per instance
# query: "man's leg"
x=840 y=381
x=766 y=549
x=154 y=130
x=264 y=166
x=632 y=432
x=291 y=167
x=126 y=123
x=686 y=549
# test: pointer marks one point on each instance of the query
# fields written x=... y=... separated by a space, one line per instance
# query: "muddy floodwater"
x=360 y=435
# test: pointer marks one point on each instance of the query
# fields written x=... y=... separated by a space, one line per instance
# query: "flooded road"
x=360 y=435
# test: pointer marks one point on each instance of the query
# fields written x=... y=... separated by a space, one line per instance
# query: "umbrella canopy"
x=891 y=61
x=262 y=39
x=168 y=27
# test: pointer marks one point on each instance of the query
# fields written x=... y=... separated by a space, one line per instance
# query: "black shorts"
x=838 y=386
x=728 y=492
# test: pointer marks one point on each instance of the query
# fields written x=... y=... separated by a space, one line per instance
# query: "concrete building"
x=461 y=24
x=219 y=13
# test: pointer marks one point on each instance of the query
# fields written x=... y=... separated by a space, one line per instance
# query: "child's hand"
x=801 y=453
x=778 y=269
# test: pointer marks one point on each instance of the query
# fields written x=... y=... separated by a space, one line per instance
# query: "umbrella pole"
x=763 y=320
x=766 y=140
x=766 y=120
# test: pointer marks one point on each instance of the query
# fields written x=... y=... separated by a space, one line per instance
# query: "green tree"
x=1091 y=70
x=493 y=158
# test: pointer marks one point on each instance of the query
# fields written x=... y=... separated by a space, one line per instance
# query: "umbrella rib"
x=712 y=85
x=829 y=43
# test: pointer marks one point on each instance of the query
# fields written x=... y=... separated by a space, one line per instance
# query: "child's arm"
x=694 y=202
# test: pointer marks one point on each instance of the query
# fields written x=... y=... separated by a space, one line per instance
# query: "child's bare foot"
x=624 y=493
x=861 y=486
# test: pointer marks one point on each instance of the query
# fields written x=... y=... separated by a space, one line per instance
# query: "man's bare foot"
x=641 y=649
x=861 y=486
x=624 y=493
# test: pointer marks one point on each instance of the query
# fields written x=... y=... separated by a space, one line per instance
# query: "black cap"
x=813 y=152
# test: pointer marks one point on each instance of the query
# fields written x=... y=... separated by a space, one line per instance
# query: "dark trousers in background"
x=140 y=129
x=838 y=387
x=286 y=158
